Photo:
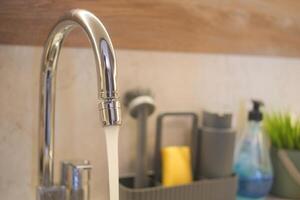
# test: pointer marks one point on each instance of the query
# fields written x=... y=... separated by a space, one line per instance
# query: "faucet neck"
x=106 y=77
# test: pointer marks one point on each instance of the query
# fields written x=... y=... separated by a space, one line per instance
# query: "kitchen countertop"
x=275 y=198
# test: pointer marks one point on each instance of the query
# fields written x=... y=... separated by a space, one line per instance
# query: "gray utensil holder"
x=207 y=189
x=215 y=146
x=216 y=149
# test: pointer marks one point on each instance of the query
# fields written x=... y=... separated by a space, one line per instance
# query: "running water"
x=111 y=135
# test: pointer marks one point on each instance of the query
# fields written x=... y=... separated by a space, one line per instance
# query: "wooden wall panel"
x=262 y=27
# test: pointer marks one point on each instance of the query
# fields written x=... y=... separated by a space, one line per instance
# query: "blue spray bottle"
x=252 y=159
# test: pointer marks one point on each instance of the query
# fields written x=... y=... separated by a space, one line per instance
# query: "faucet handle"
x=53 y=192
x=75 y=176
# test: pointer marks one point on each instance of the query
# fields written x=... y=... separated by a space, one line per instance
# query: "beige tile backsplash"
x=180 y=82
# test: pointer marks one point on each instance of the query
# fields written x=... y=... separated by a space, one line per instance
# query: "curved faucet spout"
x=106 y=76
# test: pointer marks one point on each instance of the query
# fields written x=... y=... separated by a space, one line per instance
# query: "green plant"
x=283 y=130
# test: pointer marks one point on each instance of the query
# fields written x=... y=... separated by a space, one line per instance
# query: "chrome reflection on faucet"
x=106 y=75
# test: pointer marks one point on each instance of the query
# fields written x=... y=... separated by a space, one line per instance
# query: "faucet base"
x=56 y=192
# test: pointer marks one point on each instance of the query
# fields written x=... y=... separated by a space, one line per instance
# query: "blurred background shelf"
x=242 y=27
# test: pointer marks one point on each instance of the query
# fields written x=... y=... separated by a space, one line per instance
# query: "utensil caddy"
x=203 y=189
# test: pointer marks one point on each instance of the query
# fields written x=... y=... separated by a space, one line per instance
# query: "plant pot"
x=286 y=164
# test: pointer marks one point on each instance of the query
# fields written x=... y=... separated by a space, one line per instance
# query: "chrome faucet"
x=106 y=74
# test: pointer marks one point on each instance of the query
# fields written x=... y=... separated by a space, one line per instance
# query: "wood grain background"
x=261 y=27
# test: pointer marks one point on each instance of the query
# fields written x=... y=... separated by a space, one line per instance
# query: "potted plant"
x=284 y=132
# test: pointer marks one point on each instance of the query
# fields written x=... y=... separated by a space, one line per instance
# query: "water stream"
x=111 y=135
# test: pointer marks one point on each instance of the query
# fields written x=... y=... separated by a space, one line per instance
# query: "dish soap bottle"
x=252 y=159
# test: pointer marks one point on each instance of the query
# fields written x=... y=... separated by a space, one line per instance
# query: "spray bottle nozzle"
x=255 y=114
